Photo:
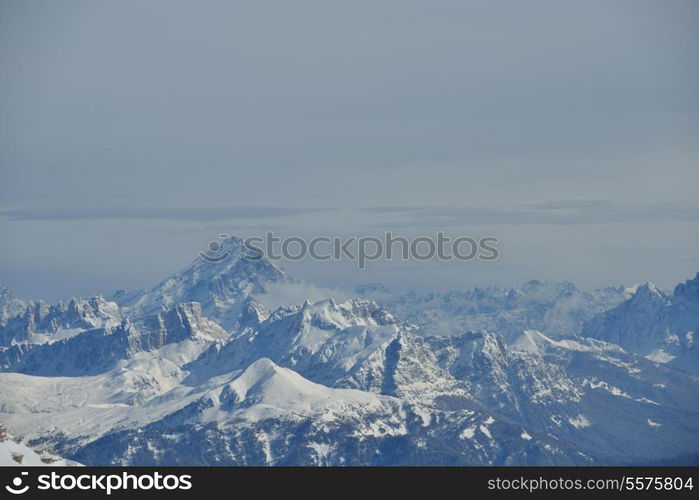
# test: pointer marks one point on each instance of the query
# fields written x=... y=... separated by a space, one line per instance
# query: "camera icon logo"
x=215 y=252
x=16 y=487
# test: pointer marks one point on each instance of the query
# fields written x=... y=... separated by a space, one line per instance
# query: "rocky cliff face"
x=654 y=324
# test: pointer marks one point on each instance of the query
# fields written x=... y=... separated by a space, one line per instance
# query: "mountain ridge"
x=533 y=375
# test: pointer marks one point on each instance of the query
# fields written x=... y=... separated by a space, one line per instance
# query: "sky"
x=133 y=133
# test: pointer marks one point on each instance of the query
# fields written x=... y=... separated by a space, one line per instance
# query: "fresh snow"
x=197 y=371
x=21 y=455
x=468 y=433
x=579 y=422
x=660 y=356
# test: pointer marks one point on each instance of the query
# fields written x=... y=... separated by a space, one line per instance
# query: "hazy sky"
x=132 y=133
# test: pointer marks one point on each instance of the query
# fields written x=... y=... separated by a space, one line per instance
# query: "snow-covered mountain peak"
x=253 y=313
x=99 y=349
x=93 y=312
x=687 y=291
x=39 y=323
x=372 y=290
x=354 y=312
x=265 y=382
x=552 y=289
x=328 y=314
x=557 y=309
x=10 y=305
x=648 y=290
x=654 y=324
x=222 y=287
x=188 y=319
x=230 y=256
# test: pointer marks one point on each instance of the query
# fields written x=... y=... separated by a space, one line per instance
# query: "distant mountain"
x=656 y=325
x=38 y=322
x=222 y=288
x=97 y=350
x=10 y=305
x=323 y=341
x=558 y=309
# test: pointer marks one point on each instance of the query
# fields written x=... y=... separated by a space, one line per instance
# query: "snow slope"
x=197 y=372
x=20 y=455
x=221 y=288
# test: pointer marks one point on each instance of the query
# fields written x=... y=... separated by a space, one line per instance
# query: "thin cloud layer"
x=153 y=213
x=566 y=212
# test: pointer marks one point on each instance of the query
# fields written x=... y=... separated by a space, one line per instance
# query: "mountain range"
x=200 y=370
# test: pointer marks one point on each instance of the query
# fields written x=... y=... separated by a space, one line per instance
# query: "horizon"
x=321 y=292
